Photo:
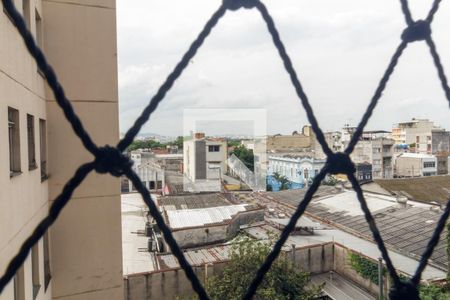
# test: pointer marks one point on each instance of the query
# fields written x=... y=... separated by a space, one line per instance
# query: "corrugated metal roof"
x=197 y=257
x=204 y=216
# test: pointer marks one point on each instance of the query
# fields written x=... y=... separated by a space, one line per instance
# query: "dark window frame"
x=31 y=140
x=14 y=142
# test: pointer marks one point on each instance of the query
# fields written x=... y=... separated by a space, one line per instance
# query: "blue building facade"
x=299 y=169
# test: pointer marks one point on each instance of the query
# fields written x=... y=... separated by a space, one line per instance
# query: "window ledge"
x=14 y=173
x=44 y=177
x=8 y=15
x=36 y=289
x=40 y=72
x=32 y=167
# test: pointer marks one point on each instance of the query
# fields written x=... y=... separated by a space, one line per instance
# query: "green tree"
x=233 y=143
x=178 y=142
x=139 y=144
x=246 y=156
x=283 y=180
x=283 y=281
x=433 y=292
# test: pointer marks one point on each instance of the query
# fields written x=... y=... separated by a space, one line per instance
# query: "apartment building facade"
x=379 y=153
x=204 y=158
x=422 y=136
x=80 y=256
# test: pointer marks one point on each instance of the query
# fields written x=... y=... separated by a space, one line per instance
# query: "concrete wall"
x=343 y=267
x=315 y=259
x=80 y=42
x=408 y=167
x=285 y=143
x=166 y=285
x=194 y=237
x=23 y=198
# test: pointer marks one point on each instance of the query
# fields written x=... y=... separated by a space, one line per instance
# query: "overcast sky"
x=339 y=48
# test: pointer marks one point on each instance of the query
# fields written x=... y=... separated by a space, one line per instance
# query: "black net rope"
x=111 y=160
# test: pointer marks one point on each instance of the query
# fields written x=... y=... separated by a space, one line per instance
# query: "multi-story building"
x=422 y=136
x=442 y=160
x=440 y=141
x=333 y=139
x=379 y=153
x=204 y=158
x=363 y=172
x=415 y=165
x=80 y=256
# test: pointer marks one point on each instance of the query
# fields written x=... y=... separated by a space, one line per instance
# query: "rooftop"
x=424 y=189
x=416 y=155
x=406 y=230
x=185 y=218
x=136 y=259
x=193 y=201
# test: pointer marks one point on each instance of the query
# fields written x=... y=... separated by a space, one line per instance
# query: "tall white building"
x=204 y=158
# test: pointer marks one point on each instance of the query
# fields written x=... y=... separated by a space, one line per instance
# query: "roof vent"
x=402 y=200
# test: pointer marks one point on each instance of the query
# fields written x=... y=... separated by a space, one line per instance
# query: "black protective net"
x=110 y=159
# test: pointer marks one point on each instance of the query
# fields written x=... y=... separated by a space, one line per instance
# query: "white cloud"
x=340 y=50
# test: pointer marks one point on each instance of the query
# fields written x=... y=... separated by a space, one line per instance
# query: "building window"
x=43 y=148
x=26 y=12
x=19 y=285
x=39 y=35
x=429 y=164
x=214 y=148
x=7 y=14
x=47 y=274
x=31 y=144
x=35 y=270
x=14 y=142
x=306 y=173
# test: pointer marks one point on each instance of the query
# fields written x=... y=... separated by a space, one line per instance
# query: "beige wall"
x=289 y=142
x=408 y=166
x=80 y=42
x=23 y=198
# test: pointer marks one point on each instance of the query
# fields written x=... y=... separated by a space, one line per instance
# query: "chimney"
x=199 y=135
x=402 y=200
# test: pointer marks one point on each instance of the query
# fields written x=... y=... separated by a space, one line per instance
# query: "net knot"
x=237 y=4
x=417 y=31
x=111 y=160
x=405 y=290
x=340 y=163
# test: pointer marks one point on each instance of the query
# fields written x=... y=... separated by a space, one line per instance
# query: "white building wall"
x=23 y=198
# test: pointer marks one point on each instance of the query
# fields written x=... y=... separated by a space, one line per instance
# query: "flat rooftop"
x=136 y=259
